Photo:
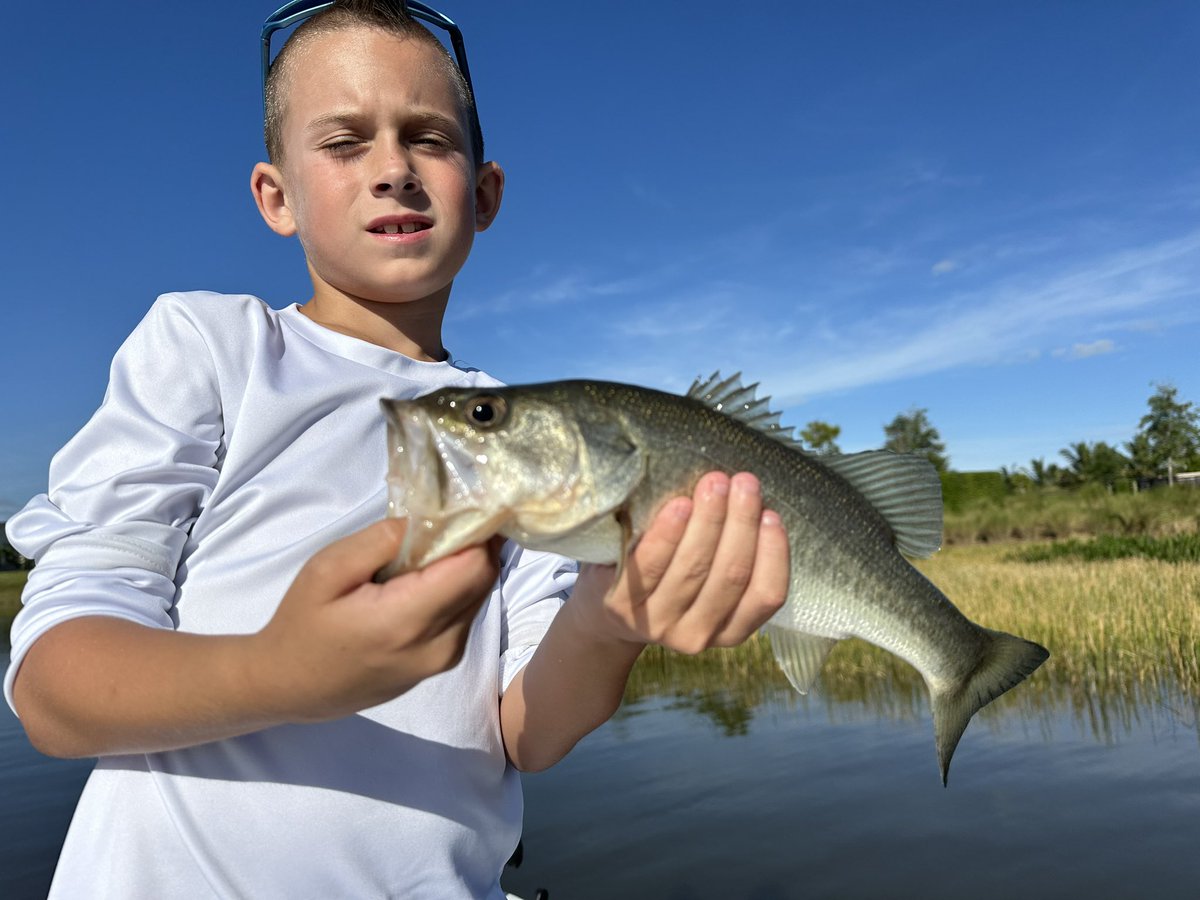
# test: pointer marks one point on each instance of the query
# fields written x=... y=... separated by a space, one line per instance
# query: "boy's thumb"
x=356 y=558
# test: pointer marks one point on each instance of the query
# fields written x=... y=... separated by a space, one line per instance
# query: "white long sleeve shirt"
x=233 y=443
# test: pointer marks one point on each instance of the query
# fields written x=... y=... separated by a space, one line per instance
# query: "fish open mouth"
x=435 y=481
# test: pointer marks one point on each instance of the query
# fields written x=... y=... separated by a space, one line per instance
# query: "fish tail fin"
x=1006 y=661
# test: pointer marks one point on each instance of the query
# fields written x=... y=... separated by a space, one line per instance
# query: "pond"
x=726 y=792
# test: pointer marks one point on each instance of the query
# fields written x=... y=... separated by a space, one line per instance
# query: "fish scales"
x=580 y=467
x=831 y=529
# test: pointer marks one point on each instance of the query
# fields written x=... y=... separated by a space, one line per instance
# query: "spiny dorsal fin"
x=907 y=491
x=729 y=396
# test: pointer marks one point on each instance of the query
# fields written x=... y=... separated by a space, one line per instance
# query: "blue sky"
x=989 y=210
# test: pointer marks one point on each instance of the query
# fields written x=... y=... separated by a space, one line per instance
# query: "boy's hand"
x=339 y=643
x=707 y=573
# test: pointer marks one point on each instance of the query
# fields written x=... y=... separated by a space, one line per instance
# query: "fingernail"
x=718 y=485
x=746 y=483
x=680 y=508
x=770 y=519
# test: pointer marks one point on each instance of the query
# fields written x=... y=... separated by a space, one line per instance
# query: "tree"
x=9 y=557
x=911 y=433
x=1016 y=479
x=1043 y=475
x=820 y=437
x=1168 y=438
x=1096 y=463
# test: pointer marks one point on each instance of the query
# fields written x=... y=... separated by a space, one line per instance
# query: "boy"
x=270 y=722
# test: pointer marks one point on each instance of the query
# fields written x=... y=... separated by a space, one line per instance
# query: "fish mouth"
x=435 y=481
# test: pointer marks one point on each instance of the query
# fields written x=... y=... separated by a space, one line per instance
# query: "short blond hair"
x=344 y=14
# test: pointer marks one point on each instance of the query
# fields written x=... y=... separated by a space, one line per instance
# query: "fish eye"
x=486 y=412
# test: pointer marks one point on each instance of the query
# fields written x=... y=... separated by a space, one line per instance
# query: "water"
x=808 y=804
x=699 y=795
x=37 y=796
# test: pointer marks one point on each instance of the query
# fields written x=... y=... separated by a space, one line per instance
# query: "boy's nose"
x=409 y=185
x=397 y=177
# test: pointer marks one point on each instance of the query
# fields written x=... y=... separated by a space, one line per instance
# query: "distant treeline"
x=9 y=558
x=1166 y=444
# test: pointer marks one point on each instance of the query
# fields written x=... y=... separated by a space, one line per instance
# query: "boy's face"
x=377 y=176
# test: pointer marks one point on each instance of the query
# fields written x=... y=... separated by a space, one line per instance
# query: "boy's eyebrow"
x=351 y=117
x=334 y=118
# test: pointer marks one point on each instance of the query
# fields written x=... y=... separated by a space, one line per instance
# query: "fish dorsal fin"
x=906 y=490
x=730 y=396
x=799 y=654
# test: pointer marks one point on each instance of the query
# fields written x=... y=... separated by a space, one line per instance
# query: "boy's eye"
x=341 y=145
x=432 y=140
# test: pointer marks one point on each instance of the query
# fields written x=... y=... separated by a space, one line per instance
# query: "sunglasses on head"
x=298 y=10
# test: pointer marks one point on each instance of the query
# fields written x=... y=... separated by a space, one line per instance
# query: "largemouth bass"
x=580 y=468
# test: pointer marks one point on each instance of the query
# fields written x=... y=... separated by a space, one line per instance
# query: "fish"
x=581 y=467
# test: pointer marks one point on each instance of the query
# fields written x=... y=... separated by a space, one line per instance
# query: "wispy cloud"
x=804 y=346
x=1002 y=321
x=1083 y=351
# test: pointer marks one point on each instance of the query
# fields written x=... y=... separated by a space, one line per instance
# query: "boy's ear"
x=266 y=183
x=489 y=189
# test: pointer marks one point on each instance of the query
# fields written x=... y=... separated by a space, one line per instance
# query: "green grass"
x=1087 y=512
x=1173 y=548
x=10 y=598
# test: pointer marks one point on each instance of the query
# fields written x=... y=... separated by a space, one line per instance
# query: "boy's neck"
x=413 y=328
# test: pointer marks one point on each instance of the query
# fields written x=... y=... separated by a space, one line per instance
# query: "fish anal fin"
x=800 y=655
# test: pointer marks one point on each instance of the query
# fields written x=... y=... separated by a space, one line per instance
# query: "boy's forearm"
x=97 y=686
x=571 y=686
x=337 y=643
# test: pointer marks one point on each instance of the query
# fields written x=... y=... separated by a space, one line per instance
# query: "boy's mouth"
x=399 y=224
x=400 y=228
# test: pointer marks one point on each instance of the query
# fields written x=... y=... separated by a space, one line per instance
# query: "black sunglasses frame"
x=298 y=10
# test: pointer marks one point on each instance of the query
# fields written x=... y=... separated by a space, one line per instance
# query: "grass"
x=10 y=598
x=1087 y=512
x=1173 y=548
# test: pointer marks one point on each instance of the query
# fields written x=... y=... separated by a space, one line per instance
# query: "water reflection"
x=860 y=682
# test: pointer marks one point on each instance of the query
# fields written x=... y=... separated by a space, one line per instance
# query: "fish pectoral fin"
x=626 y=525
x=906 y=490
x=799 y=654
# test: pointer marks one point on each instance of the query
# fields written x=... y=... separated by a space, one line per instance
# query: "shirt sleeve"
x=534 y=586
x=108 y=535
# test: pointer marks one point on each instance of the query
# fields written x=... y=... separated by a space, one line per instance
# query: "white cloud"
x=944 y=267
x=1083 y=351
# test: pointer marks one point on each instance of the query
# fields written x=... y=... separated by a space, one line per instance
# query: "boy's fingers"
x=458 y=581
x=733 y=565
x=693 y=558
x=443 y=596
x=652 y=556
x=768 y=587
x=356 y=558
